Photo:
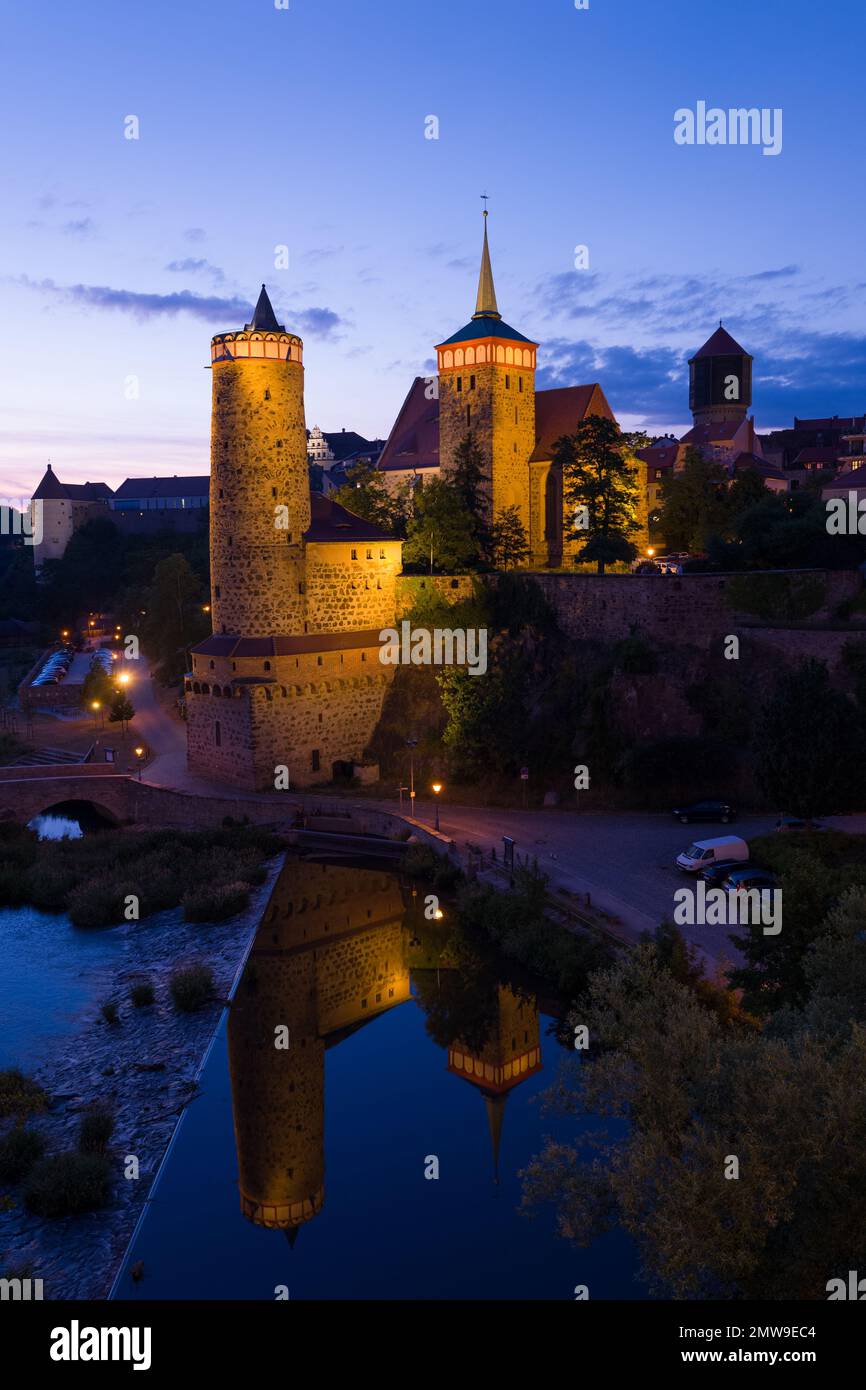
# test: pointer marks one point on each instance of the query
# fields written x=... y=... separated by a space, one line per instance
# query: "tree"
x=509 y=544
x=466 y=475
x=122 y=710
x=808 y=745
x=688 y=1091
x=439 y=533
x=365 y=494
x=175 y=620
x=600 y=488
x=694 y=503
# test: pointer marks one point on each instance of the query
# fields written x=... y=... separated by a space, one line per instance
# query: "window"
x=369 y=554
x=216 y=591
x=515 y=415
x=218 y=734
x=273 y=492
x=318 y=661
x=520 y=383
x=314 y=760
x=212 y=666
x=460 y=383
x=363 y=656
x=221 y=492
x=469 y=414
x=507 y=382
x=267 y=666
x=267 y=394
x=354 y=554
x=381 y=554
x=472 y=383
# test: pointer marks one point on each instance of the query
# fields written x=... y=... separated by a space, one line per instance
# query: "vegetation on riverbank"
x=120 y=875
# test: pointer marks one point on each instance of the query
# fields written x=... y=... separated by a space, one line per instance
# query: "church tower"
x=487 y=386
x=720 y=380
x=259 y=487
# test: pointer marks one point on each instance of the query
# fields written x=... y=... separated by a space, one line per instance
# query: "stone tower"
x=259 y=487
x=288 y=690
x=487 y=385
x=720 y=380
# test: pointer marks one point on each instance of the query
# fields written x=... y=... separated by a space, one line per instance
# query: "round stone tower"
x=259 y=488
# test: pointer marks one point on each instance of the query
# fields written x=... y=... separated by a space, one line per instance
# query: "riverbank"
x=142 y=1068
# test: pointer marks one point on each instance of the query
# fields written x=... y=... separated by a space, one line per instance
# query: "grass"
x=93 y=877
x=216 y=902
x=97 y=1126
x=67 y=1184
x=191 y=986
x=19 y=1095
x=19 y=1150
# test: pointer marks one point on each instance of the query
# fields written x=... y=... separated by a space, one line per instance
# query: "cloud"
x=318 y=323
x=195 y=234
x=224 y=310
x=83 y=226
x=192 y=266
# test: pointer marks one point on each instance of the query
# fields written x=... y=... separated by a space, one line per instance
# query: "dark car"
x=741 y=880
x=714 y=874
x=787 y=824
x=705 y=810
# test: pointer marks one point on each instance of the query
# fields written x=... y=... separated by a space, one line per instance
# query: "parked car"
x=703 y=853
x=714 y=874
x=790 y=823
x=710 y=809
x=741 y=880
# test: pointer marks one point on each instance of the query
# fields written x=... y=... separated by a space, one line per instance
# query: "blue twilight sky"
x=306 y=127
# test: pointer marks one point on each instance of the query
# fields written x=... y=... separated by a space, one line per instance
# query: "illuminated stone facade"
x=300 y=588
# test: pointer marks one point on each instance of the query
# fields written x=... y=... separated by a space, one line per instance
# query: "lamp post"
x=411 y=744
x=139 y=753
x=95 y=706
x=437 y=787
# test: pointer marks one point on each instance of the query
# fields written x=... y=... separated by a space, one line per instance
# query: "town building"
x=289 y=688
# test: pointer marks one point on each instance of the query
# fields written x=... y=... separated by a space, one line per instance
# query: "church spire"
x=486 y=306
x=264 y=319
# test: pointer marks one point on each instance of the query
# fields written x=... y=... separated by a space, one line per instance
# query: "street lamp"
x=95 y=706
x=139 y=753
x=123 y=678
x=411 y=744
x=437 y=787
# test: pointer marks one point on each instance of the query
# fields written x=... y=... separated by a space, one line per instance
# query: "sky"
x=306 y=127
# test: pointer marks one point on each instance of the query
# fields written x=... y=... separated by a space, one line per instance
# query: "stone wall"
x=411 y=588
x=503 y=422
x=351 y=587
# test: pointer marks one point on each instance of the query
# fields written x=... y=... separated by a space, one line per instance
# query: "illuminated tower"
x=487 y=386
x=259 y=488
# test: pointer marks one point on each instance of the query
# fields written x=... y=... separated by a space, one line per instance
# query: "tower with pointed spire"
x=720 y=380
x=290 y=687
x=487 y=389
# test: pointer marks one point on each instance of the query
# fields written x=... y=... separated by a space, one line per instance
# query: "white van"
x=703 y=853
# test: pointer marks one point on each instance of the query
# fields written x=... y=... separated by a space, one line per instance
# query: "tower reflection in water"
x=337 y=946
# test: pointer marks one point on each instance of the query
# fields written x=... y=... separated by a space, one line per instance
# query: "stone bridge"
x=123 y=800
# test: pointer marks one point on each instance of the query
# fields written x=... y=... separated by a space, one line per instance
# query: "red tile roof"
x=718 y=432
x=767 y=470
x=232 y=646
x=659 y=456
x=560 y=411
x=414 y=440
x=816 y=454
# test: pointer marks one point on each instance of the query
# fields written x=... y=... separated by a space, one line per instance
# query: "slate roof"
x=51 y=489
x=264 y=319
x=229 y=646
x=197 y=485
x=486 y=327
x=331 y=522
x=720 y=344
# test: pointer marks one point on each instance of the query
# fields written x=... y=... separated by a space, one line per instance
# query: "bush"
x=109 y=1011
x=142 y=994
x=19 y=1095
x=97 y=1126
x=19 y=1150
x=216 y=903
x=68 y=1183
x=191 y=987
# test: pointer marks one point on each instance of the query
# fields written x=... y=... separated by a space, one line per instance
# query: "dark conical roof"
x=721 y=344
x=264 y=319
x=50 y=487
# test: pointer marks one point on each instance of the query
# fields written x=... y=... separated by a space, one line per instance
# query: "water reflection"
x=338 y=947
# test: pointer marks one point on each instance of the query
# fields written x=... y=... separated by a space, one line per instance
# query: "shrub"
x=191 y=986
x=97 y=1126
x=67 y=1183
x=142 y=994
x=109 y=1011
x=19 y=1095
x=19 y=1150
x=215 y=903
